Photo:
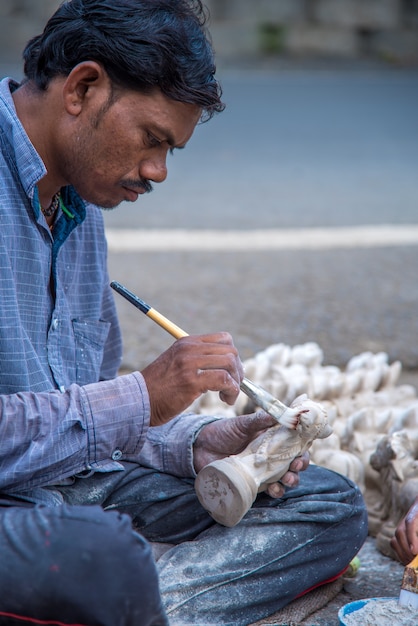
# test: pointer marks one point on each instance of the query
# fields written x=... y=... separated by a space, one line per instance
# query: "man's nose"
x=154 y=169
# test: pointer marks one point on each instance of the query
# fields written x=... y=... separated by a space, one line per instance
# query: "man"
x=110 y=88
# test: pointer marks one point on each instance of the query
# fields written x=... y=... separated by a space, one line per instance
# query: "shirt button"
x=55 y=323
x=117 y=455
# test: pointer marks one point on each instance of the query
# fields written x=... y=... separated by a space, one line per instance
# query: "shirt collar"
x=29 y=164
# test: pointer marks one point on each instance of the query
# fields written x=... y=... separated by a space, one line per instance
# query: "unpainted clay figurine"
x=228 y=487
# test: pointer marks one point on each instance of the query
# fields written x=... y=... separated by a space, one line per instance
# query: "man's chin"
x=107 y=205
x=102 y=203
x=109 y=208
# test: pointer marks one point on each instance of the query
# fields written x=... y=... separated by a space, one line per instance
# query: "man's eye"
x=153 y=141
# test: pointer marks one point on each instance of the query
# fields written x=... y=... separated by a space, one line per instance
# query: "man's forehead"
x=174 y=121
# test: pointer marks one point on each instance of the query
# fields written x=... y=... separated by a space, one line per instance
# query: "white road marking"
x=122 y=240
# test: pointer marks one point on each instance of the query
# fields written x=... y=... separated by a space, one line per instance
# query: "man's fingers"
x=222 y=364
x=300 y=463
x=401 y=549
x=275 y=490
x=209 y=362
x=253 y=424
x=219 y=380
x=221 y=338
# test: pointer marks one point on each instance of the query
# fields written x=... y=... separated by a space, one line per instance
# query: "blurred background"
x=250 y=29
x=315 y=158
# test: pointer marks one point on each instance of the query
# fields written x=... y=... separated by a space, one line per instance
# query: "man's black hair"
x=142 y=44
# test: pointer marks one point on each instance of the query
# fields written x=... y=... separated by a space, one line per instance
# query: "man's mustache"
x=142 y=183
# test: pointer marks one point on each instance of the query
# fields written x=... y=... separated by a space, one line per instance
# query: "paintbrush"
x=409 y=586
x=287 y=416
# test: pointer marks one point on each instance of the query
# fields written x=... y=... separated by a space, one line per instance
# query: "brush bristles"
x=408 y=598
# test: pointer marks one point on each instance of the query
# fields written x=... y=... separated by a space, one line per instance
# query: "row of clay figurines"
x=357 y=422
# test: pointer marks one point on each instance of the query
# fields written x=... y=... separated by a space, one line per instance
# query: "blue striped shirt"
x=63 y=408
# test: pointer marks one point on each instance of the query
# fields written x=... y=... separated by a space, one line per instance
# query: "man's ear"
x=86 y=83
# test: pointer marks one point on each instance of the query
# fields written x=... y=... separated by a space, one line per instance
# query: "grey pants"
x=231 y=576
x=236 y=576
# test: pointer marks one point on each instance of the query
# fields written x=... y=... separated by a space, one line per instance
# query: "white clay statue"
x=227 y=488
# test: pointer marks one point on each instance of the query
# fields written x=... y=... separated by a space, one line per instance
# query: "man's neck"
x=35 y=112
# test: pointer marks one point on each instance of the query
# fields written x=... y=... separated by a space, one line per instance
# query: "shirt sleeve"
x=48 y=436
x=169 y=448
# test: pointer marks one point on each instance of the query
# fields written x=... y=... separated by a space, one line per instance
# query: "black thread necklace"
x=53 y=206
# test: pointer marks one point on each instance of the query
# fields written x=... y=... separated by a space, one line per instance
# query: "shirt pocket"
x=90 y=338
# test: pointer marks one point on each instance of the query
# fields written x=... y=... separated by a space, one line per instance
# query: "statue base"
x=226 y=490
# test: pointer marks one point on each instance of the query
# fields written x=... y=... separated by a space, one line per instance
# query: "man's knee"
x=84 y=564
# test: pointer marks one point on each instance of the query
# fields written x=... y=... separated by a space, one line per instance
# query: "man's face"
x=113 y=151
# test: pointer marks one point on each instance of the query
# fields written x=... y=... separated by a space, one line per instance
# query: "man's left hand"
x=232 y=435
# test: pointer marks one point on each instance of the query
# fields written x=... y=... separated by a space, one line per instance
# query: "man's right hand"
x=190 y=367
